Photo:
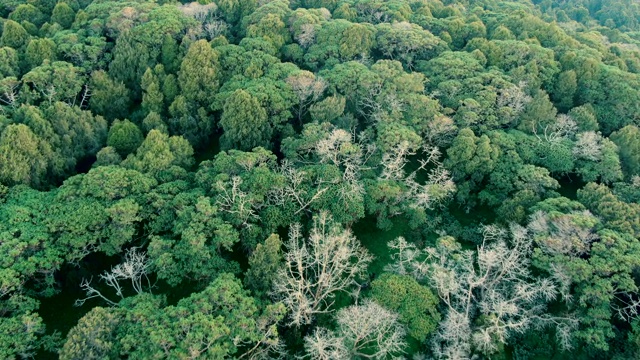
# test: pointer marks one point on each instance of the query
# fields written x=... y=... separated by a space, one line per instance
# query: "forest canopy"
x=319 y=179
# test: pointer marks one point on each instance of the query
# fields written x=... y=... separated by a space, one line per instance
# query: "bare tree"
x=588 y=146
x=134 y=268
x=198 y=11
x=515 y=99
x=429 y=194
x=563 y=234
x=563 y=128
x=492 y=283
x=329 y=261
x=294 y=191
x=341 y=149
x=308 y=88
x=233 y=200
x=366 y=331
x=306 y=36
x=441 y=131
x=9 y=92
x=215 y=28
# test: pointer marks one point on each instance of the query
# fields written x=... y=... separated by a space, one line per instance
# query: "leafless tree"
x=563 y=234
x=329 y=261
x=434 y=191
x=493 y=283
x=341 y=149
x=441 y=131
x=134 y=268
x=233 y=200
x=308 y=88
x=215 y=28
x=588 y=146
x=9 y=92
x=306 y=36
x=366 y=331
x=563 y=128
x=198 y=11
x=323 y=344
x=515 y=99
x=294 y=190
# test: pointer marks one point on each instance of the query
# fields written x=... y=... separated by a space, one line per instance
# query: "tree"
x=357 y=40
x=27 y=13
x=364 y=331
x=124 y=136
x=628 y=141
x=264 y=264
x=154 y=121
x=152 y=97
x=38 y=50
x=307 y=88
x=538 y=114
x=328 y=109
x=488 y=295
x=107 y=97
x=13 y=35
x=406 y=42
x=159 y=152
x=93 y=336
x=63 y=14
x=199 y=73
x=565 y=89
x=328 y=262
x=134 y=269
x=22 y=156
x=592 y=264
x=245 y=122
x=214 y=323
x=19 y=335
x=585 y=118
x=416 y=305
x=107 y=156
x=9 y=62
x=55 y=81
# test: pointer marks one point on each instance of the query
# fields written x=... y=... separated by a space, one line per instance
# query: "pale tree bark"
x=308 y=89
x=492 y=283
x=366 y=331
x=438 y=187
x=588 y=146
x=134 y=268
x=330 y=261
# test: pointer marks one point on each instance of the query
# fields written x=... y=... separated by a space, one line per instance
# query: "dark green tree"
x=124 y=136
x=245 y=123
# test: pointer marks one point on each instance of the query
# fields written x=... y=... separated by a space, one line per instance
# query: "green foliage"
x=63 y=15
x=263 y=265
x=244 y=122
x=415 y=304
x=21 y=156
x=93 y=337
x=159 y=152
x=372 y=111
x=199 y=75
x=13 y=35
x=124 y=136
x=628 y=141
x=108 y=97
x=221 y=317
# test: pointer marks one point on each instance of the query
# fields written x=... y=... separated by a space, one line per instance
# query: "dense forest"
x=320 y=179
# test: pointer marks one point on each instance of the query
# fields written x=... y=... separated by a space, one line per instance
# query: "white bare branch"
x=329 y=261
x=492 y=283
